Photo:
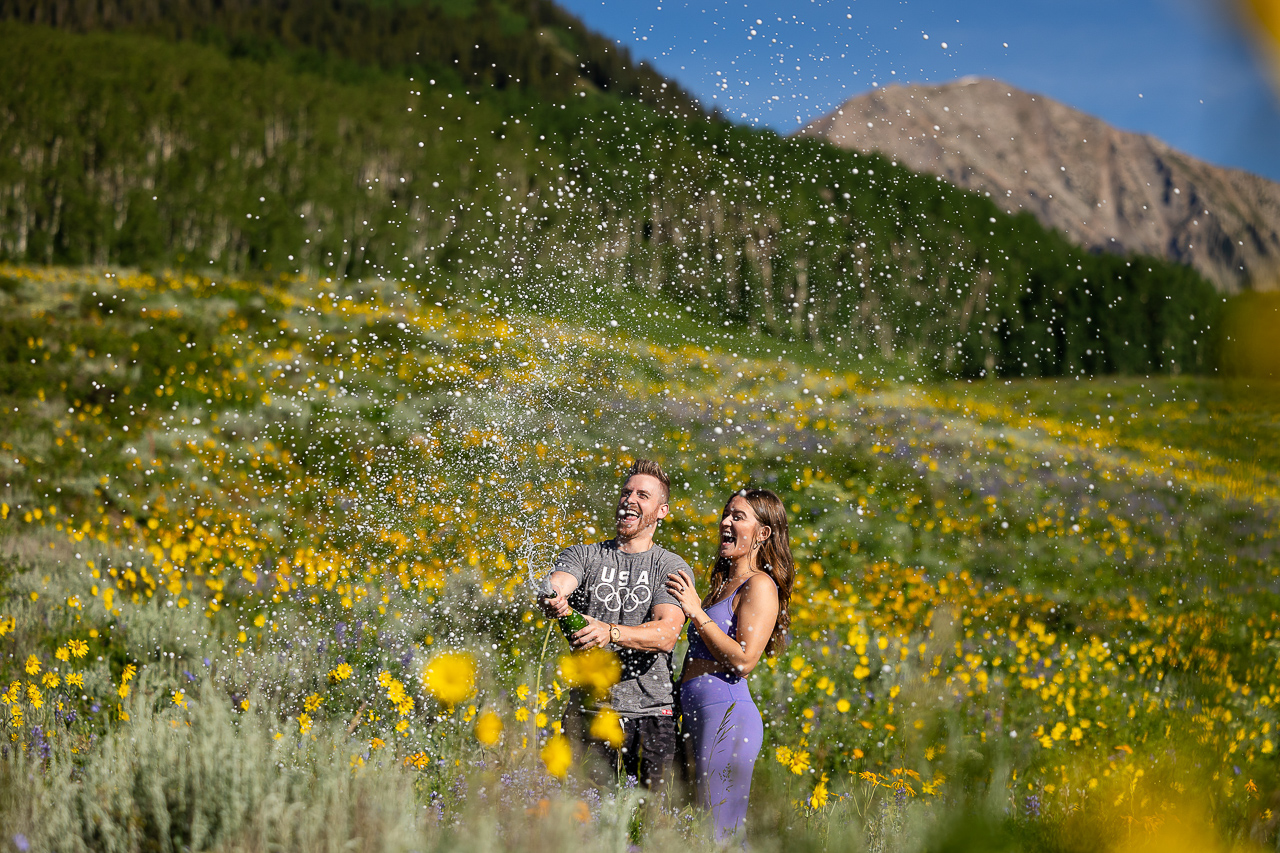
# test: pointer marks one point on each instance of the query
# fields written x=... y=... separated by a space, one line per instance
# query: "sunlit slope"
x=131 y=150
x=301 y=457
x=531 y=46
x=1067 y=483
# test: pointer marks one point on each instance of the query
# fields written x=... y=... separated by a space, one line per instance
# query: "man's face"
x=640 y=505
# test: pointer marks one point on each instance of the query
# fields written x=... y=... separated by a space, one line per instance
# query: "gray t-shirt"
x=622 y=588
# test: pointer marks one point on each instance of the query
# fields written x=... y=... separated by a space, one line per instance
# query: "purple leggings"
x=723 y=731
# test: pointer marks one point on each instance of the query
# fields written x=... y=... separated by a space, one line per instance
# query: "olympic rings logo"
x=624 y=600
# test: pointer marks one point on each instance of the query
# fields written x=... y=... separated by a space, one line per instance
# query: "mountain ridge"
x=530 y=45
x=1107 y=189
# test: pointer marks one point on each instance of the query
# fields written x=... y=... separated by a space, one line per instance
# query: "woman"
x=744 y=615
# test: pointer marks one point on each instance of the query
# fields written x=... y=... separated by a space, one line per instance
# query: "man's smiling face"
x=642 y=503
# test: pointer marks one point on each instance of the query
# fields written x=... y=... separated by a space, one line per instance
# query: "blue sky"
x=1176 y=69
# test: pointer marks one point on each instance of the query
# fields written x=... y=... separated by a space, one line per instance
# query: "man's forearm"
x=563 y=582
x=659 y=635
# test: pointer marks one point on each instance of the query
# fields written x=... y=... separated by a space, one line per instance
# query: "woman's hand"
x=681 y=587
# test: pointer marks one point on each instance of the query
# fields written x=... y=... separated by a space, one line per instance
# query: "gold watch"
x=615 y=633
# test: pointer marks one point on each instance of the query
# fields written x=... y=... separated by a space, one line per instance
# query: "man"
x=620 y=587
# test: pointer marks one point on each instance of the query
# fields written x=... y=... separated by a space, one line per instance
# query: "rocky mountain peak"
x=1108 y=189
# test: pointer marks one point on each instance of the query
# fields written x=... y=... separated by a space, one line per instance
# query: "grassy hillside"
x=128 y=149
x=244 y=519
x=532 y=46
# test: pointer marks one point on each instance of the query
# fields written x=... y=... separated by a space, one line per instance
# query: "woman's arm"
x=757 y=613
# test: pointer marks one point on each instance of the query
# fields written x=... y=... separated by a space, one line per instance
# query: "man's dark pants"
x=647 y=752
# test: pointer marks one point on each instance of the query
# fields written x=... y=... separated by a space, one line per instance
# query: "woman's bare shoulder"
x=760 y=583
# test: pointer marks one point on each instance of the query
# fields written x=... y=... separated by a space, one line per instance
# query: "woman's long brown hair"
x=774 y=558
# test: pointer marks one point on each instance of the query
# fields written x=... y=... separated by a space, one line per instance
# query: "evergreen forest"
x=261 y=139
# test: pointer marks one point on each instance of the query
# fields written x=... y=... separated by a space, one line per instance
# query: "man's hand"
x=594 y=636
x=556 y=606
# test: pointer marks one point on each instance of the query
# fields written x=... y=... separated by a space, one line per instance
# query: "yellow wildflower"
x=557 y=756
x=450 y=677
x=818 y=799
x=596 y=670
x=607 y=727
x=488 y=728
x=33 y=665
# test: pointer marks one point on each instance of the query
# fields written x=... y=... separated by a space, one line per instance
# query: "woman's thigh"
x=724 y=737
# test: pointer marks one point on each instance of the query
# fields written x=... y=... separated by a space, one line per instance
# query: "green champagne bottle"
x=571 y=623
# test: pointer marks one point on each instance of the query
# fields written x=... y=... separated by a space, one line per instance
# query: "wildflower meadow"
x=269 y=551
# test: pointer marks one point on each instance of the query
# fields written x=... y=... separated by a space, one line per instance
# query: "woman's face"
x=740 y=530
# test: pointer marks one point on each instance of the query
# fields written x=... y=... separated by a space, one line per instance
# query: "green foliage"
x=1247 y=336
x=132 y=150
x=528 y=45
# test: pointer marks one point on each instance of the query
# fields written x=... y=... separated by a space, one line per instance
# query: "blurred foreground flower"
x=450 y=677
x=557 y=756
x=596 y=670
x=607 y=727
x=488 y=728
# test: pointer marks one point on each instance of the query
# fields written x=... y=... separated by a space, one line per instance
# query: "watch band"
x=615 y=633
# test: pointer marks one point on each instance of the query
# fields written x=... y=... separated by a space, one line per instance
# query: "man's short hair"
x=653 y=469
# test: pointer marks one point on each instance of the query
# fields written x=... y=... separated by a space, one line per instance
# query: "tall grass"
x=238 y=520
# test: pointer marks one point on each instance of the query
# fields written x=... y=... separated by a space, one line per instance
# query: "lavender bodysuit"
x=723 y=729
